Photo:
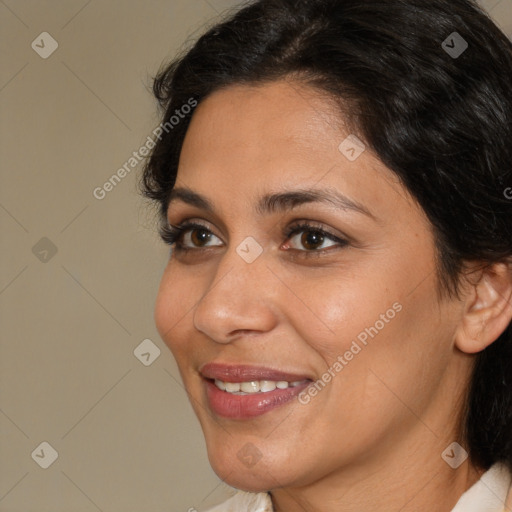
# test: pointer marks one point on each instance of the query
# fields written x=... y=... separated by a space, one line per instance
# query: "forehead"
x=250 y=122
x=244 y=141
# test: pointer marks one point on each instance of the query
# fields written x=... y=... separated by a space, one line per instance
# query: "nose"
x=239 y=298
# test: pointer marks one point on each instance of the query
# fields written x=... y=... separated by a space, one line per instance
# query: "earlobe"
x=488 y=309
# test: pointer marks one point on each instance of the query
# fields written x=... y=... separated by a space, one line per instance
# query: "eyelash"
x=172 y=235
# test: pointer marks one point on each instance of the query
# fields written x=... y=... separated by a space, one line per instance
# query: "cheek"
x=379 y=329
x=402 y=349
x=331 y=311
x=172 y=306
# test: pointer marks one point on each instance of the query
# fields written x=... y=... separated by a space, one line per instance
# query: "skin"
x=376 y=432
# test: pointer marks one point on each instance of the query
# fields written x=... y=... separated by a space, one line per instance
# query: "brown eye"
x=311 y=239
x=188 y=236
x=200 y=236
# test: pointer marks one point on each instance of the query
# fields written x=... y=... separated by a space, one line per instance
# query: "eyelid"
x=188 y=224
x=296 y=224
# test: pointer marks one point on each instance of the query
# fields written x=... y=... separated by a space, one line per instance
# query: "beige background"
x=126 y=437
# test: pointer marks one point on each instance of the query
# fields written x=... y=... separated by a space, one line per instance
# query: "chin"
x=248 y=480
x=256 y=478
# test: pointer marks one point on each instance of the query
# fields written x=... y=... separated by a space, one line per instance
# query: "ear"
x=488 y=308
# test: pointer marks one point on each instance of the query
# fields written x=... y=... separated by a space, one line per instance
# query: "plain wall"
x=126 y=437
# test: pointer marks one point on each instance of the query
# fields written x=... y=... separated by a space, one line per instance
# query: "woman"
x=333 y=177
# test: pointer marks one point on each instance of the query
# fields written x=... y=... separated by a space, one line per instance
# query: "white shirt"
x=486 y=495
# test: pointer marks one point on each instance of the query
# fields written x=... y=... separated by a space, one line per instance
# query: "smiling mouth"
x=256 y=386
x=243 y=391
x=247 y=373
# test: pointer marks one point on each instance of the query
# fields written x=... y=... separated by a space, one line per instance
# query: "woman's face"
x=355 y=309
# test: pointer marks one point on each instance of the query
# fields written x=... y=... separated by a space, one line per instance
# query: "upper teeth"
x=254 y=386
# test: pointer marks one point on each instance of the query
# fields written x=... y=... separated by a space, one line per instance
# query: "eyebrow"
x=276 y=202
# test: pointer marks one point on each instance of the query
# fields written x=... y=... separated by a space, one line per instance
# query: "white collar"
x=245 y=502
x=486 y=495
x=489 y=493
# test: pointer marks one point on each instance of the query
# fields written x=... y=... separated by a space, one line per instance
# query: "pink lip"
x=247 y=373
x=248 y=406
x=233 y=406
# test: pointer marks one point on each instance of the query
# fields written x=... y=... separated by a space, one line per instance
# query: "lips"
x=246 y=406
x=245 y=373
